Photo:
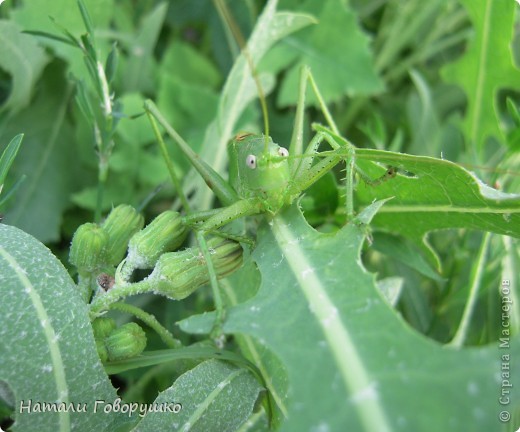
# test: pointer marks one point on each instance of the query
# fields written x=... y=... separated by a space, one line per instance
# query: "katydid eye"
x=283 y=152
x=251 y=161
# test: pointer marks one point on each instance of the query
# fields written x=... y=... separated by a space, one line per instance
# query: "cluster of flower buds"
x=120 y=343
x=177 y=274
x=95 y=247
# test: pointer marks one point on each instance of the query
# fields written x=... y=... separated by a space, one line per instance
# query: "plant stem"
x=476 y=278
x=169 y=163
x=102 y=302
x=150 y=321
x=217 y=297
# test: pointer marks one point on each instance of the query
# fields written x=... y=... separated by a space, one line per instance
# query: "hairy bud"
x=120 y=225
x=165 y=233
x=177 y=274
x=88 y=250
x=102 y=327
x=101 y=350
x=126 y=341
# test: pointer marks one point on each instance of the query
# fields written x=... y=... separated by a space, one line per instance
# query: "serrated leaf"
x=432 y=194
x=335 y=49
x=47 y=350
x=215 y=396
x=353 y=363
x=239 y=90
x=486 y=67
x=24 y=60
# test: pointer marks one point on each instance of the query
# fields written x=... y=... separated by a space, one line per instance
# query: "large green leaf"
x=486 y=67
x=239 y=90
x=335 y=49
x=24 y=60
x=47 y=350
x=352 y=362
x=431 y=194
x=46 y=158
x=215 y=396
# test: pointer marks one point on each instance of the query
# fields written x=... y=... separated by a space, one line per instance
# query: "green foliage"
x=346 y=342
x=450 y=197
x=205 y=393
x=486 y=68
x=24 y=60
x=6 y=160
x=333 y=326
x=46 y=339
x=344 y=67
x=45 y=158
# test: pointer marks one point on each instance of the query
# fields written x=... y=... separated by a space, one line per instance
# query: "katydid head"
x=257 y=169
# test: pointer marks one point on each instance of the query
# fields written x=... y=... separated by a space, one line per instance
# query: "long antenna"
x=223 y=11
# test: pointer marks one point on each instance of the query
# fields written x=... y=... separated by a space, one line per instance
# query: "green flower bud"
x=88 y=250
x=126 y=341
x=102 y=327
x=120 y=225
x=101 y=350
x=177 y=274
x=165 y=233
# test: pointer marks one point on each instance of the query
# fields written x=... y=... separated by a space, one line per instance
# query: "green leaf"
x=47 y=350
x=431 y=194
x=47 y=158
x=336 y=50
x=7 y=157
x=65 y=12
x=405 y=252
x=68 y=40
x=248 y=279
x=391 y=288
x=139 y=66
x=239 y=90
x=87 y=21
x=486 y=67
x=24 y=60
x=215 y=396
x=35 y=15
x=352 y=362
x=134 y=130
x=189 y=65
x=191 y=110
x=111 y=63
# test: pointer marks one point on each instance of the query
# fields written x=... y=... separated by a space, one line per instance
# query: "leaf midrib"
x=354 y=375
x=51 y=338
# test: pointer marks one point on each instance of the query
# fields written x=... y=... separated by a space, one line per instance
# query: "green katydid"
x=263 y=176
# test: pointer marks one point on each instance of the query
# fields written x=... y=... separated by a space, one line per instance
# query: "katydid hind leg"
x=224 y=192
